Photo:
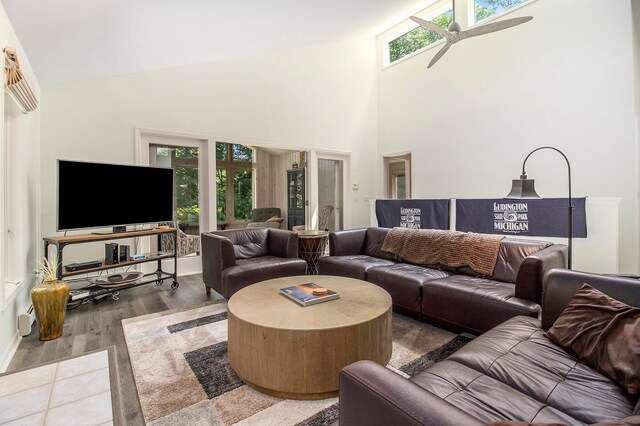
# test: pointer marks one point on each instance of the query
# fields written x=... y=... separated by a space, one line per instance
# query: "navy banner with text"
x=544 y=217
x=419 y=214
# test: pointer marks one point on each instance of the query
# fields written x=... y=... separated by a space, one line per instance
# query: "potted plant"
x=49 y=299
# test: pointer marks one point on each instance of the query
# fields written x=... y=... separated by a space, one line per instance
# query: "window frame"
x=231 y=165
x=466 y=18
x=184 y=162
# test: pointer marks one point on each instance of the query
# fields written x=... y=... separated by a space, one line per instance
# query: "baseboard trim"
x=10 y=352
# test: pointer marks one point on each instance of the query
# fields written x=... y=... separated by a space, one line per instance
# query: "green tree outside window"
x=486 y=8
x=221 y=195
x=417 y=38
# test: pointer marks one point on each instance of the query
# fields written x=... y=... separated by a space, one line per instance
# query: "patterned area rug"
x=183 y=376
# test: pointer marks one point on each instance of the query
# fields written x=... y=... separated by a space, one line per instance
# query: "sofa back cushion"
x=373 y=244
x=264 y=213
x=249 y=242
x=510 y=256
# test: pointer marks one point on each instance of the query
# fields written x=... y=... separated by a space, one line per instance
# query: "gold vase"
x=50 y=303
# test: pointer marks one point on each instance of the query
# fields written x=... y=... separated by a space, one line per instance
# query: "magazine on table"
x=305 y=295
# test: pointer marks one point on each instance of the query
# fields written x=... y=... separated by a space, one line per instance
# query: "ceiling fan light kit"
x=454 y=34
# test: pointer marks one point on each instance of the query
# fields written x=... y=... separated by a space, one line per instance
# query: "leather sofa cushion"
x=275 y=225
x=251 y=271
x=517 y=355
x=352 y=266
x=604 y=333
x=484 y=397
x=511 y=254
x=373 y=244
x=250 y=243
x=476 y=304
x=404 y=283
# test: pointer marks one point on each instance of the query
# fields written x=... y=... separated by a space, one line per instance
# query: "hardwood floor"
x=97 y=326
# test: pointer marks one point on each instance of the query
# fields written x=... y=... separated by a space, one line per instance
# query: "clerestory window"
x=418 y=38
x=486 y=8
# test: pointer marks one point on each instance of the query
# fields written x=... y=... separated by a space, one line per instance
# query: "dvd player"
x=73 y=267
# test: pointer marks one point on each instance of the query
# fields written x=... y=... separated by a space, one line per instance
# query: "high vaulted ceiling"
x=71 y=40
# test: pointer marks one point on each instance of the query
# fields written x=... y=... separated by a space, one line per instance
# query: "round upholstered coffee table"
x=296 y=352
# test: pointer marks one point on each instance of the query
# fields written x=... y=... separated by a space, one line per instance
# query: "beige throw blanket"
x=448 y=248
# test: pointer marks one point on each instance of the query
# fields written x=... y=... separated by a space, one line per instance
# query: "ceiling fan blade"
x=431 y=26
x=494 y=26
x=439 y=55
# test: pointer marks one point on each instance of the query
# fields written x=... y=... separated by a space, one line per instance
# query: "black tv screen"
x=95 y=195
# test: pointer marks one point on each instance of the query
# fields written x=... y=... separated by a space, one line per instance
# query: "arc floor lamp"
x=523 y=188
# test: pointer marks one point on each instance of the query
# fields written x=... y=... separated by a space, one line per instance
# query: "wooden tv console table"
x=94 y=292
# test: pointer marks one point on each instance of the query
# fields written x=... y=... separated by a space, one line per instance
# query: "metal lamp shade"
x=523 y=189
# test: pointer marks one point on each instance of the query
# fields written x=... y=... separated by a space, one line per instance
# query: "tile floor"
x=72 y=392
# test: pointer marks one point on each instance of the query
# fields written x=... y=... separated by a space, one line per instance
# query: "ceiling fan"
x=454 y=33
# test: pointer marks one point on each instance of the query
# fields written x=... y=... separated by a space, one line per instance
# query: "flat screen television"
x=96 y=195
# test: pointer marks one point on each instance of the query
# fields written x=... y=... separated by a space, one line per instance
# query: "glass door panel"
x=296 y=198
x=242 y=194
x=184 y=162
x=221 y=196
x=330 y=194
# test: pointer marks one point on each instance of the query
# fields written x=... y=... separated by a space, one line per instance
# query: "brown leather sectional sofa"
x=512 y=372
x=233 y=259
x=454 y=297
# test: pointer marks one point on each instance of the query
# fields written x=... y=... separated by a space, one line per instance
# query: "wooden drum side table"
x=311 y=245
x=296 y=352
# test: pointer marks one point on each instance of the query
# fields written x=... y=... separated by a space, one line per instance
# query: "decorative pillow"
x=275 y=219
x=604 y=333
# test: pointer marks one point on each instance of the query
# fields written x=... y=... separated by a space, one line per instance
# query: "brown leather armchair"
x=236 y=258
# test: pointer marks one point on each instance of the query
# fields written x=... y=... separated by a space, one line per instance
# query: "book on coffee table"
x=304 y=294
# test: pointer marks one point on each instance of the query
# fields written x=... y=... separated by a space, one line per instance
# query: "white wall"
x=317 y=97
x=565 y=79
x=635 y=10
x=28 y=127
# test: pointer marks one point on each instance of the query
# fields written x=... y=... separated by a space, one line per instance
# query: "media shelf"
x=94 y=293
x=149 y=258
